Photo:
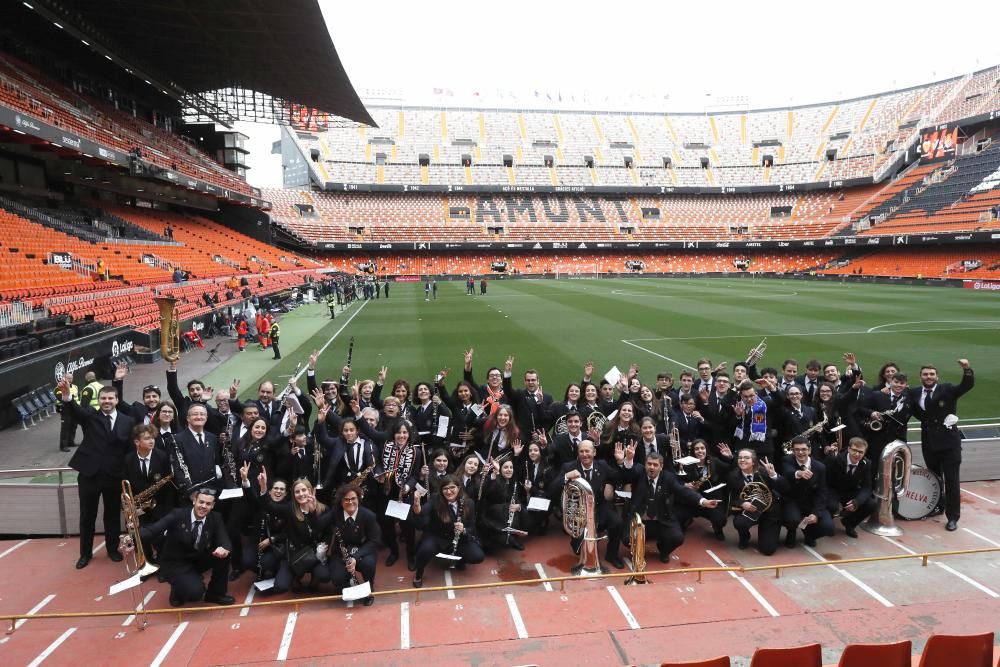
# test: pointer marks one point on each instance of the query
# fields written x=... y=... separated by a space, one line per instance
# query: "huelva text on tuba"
x=170 y=334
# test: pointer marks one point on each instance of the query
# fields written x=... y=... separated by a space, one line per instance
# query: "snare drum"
x=922 y=495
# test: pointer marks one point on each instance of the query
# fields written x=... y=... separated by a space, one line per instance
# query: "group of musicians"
x=230 y=487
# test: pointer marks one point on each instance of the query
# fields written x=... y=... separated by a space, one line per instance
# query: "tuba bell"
x=170 y=334
x=580 y=523
x=637 y=544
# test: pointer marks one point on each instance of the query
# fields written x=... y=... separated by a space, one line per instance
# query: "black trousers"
x=338 y=571
x=67 y=429
x=187 y=582
x=668 y=535
x=715 y=515
x=945 y=463
x=430 y=545
x=608 y=520
x=274 y=346
x=768 y=530
x=238 y=513
x=91 y=489
x=792 y=515
x=853 y=519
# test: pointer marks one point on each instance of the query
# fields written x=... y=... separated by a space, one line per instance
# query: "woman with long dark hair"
x=502 y=506
x=300 y=518
x=451 y=529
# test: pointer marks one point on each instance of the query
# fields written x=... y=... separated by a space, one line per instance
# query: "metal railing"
x=416 y=592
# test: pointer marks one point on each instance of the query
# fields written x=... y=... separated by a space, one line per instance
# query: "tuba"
x=580 y=523
x=637 y=542
x=893 y=477
x=170 y=334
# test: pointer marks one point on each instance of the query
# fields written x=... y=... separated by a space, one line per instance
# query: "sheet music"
x=397 y=510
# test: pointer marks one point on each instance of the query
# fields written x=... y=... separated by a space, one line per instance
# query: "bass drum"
x=922 y=495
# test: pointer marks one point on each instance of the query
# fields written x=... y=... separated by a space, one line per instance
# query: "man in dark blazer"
x=141 y=411
x=145 y=467
x=531 y=404
x=940 y=442
x=195 y=541
x=654 y=492
x=849 y=485
x=199 y=451
x=107 y=437
x=896 y=403
x=715 y=404
x=354 y=528
x=689 y=422
x=805 y=501
x=602 y=479
x=562 y=449
x=798 y=418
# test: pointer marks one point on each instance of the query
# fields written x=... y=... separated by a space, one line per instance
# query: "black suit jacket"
x=603 y=474
x=360 y=541
x=844 y=487
x=159 y=467
x=877 y=401
x=562 y=450
x=528 y=412
x=178 y=547
x=944 y=401
x=808 y=494
x=100 y=452
x=200 y=461
x=659 y=506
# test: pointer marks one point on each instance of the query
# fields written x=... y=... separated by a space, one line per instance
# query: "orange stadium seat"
x=798 y=656
x=721 y=661
x=953 y=650
x=877 y=655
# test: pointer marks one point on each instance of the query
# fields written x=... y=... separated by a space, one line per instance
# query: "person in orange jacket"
x=241 y=334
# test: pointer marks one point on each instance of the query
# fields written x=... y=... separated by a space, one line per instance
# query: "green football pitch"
x=555 y=326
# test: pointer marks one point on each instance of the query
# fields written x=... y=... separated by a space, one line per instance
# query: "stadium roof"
x=281 y=49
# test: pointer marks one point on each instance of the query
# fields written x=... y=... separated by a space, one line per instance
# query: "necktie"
x=109 y=423
x=357 y=455
x=196 y=528
x=576 y=441
x=749 y=478
x=850 y=470
x=587 y=473
x=927 y=397
x=496 y=440
x=454 y=511
x=652 y=486
x=145 y=468
x=350 y=523
x=201 y=441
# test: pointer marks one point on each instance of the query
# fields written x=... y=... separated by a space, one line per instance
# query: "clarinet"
x=317 y=463
x=227 y=454
x=260 y=552
x=176 y=454
x=356 y=578
x=350 y=351
x=510 y=512
x=458 y=535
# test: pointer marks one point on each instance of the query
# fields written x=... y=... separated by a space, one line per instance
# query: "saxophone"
x=145 y=500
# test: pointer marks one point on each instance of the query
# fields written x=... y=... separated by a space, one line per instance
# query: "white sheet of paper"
x=218 y=472
x=420 y=490
x=476 y=409
x=294 y=401
x=612 y=415
x=448 y=556
x=443 y=421
x=359 y=592
x=230 y=493
x=264 y=584
x=686 y=460
x=456 y=445
x=131 y=582
x=623 y=494
x=714 y=488
x=539 y=504
x=481 y=459
x=613 y=376
x=397 y=510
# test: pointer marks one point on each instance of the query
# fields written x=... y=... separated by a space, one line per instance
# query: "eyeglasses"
x=857 y=451
x=350 y=500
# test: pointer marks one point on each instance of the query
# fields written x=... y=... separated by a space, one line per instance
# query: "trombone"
x=135 y=557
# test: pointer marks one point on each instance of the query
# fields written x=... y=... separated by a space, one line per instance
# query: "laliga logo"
x=60 y=371
x=120 y=348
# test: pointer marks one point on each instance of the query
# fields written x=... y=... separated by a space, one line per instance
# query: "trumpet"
x=675 y=450
x=757 y=353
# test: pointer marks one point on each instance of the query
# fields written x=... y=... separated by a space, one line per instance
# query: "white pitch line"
x=449 y=582
x=541 y=573
x=139 y=607
x=982 y=537
x=892 y=324
x=859 y=332
x=247 y=600
x=34 y=610
x=991 y=502
x=515 y=614
x=747 y=585
x=657 y=354
x=404 y=625
x=15 y=547
x=286 y=636
x=332 y=338
x=97 y=548
x=165 y=651
x=850 y=577
x=626 y=612
x=51 y=647
x=947 y=568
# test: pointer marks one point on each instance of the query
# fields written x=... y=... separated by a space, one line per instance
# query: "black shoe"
x=719 y=535
x=160 y=577
x=83 y=562
x=615 y=559
x=664 y=558
x=951 y=526
x=790 y=540
x=235 y=574
x=74 y=444
x=391 y=559
x=460 y=565
x=175 y=601
x=220 y=599
x=742 y=545
x=850 y=532
x=810 y=542
x=115 y=556
x=515 y=544
x=63 y=449
x=418 y=583
x=369 y=601
x=411 y=564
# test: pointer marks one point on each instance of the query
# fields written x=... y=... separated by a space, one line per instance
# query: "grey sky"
x=671 y=56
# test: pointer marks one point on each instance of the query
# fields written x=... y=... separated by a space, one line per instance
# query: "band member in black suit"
x=427 y=413
x=809 y=381
x=706 y=376
x=715 y=404
x=849 y=485
x=805 y=501
x=562 y=449
x=349 y=455
x=535 y=474
x=298 y=517
x=623 y=430
x=655 y=492
x=198 y=394
x=502 y=506
x=602 y=479
x=491 y=393
x=451 y=529
x=196 y=453
x=690 y=423
x=531 y=404
x=469 y=475
x=467 y=418
x=748 y=512
x=499 y=432
x=195 y=541
x=651 y=442
x=268 y=406
x=270 y=558
x=751 y=425
x=799 y=418
x=889 y=407
x=145 y=467
x=165 y=421
x=107 y=437
x=141 y=411
x=354 y=536
x=940 y=440
x=709 y=472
